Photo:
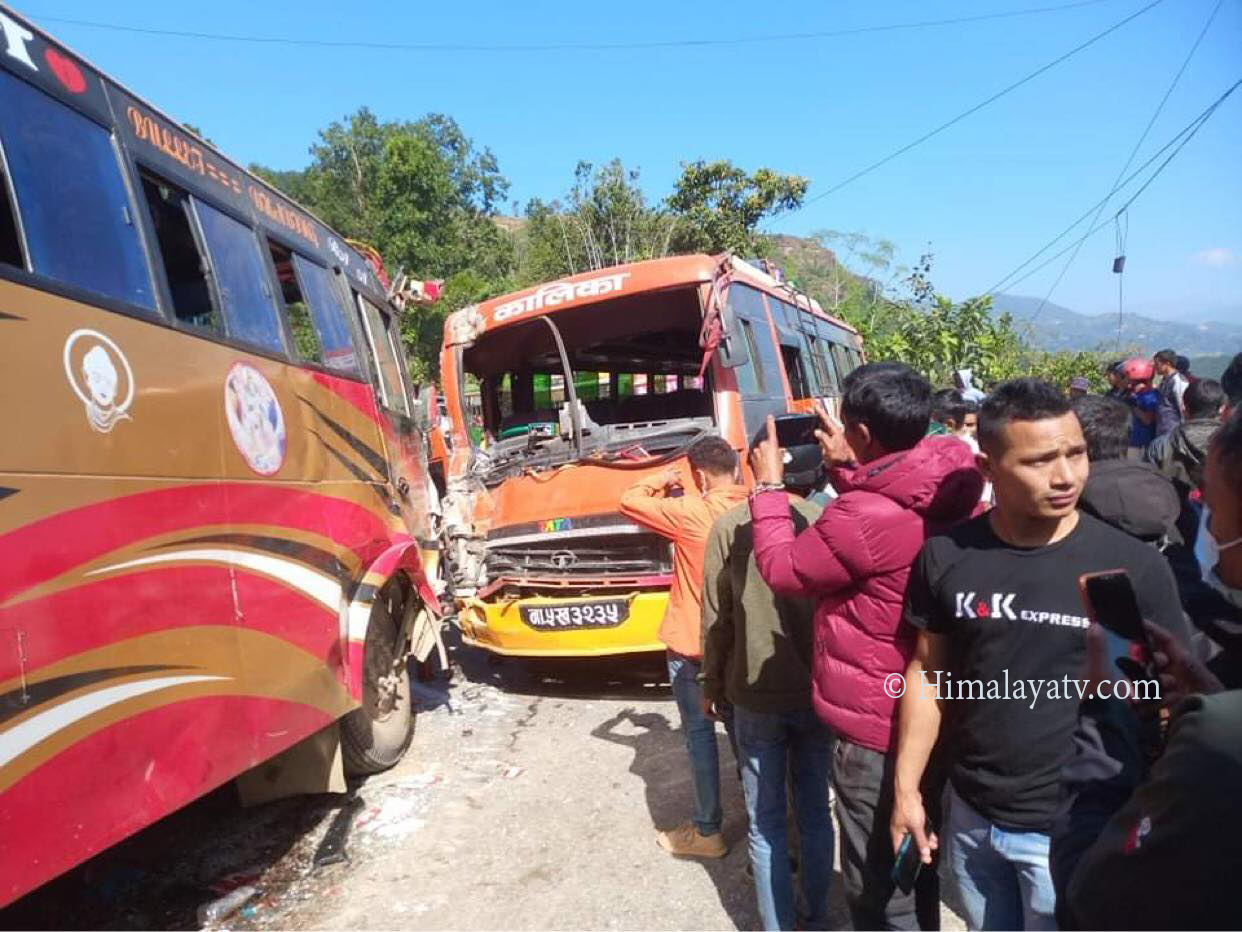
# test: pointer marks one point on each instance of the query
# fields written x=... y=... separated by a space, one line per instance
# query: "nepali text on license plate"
x=604 y=614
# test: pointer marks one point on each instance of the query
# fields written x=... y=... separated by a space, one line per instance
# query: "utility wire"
x=979 y=106
x=1180 y=140
x=1030 y=323
x=1008 y=281
x=565 y=46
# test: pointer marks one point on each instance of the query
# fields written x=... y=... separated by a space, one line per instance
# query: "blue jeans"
x=774 y=748
x=700 y=732
x=997 y=878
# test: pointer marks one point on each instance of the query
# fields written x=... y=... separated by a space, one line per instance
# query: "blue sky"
x=985 y=194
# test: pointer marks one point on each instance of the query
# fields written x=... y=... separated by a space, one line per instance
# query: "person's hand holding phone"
x=766 y=460
x=1179 y=672
x=831 y=436
x=910 y=818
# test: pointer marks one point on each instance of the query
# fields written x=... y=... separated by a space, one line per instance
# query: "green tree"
x=719 y=206
x=423 y=196
x=604 y=220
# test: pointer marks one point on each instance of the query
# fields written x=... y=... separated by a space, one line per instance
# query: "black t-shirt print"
x=1011 y=614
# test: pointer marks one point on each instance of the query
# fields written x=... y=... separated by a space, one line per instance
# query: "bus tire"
x=375 y=736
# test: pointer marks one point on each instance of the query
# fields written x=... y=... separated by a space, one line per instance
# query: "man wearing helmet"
x=1144 y=401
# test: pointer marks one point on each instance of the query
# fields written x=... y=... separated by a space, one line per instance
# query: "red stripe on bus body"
x=126 y=606
x=48 y=548
x=125 y=776
x=358 y=394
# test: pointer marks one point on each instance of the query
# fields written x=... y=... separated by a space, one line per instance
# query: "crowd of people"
x=833 y=641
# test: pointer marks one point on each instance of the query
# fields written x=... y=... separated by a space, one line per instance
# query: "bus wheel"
x=375 y=736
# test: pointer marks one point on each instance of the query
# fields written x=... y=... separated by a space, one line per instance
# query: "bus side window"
x=185 y=269
x=842 y=359
x=378 y=326
x=241 y=279
x=328 y=316
x=751 y=376
x=823 y=366
x=74 y=206
x=306 y=346
x=10 y=237
x=791 y=356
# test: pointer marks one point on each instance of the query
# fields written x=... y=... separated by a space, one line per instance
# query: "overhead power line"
x=1177 y=143
x=979 y=106
x=1030 y=323
x=563 y=46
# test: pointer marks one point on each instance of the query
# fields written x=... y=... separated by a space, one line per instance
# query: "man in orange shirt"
x=686 y=521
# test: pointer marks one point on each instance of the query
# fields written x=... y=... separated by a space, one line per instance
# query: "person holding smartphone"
x=895 y=486
x=1161 y=850
x=996 y=601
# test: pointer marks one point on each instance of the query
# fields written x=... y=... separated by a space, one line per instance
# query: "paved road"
x=529 y=800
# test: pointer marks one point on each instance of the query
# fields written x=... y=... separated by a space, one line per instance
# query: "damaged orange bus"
x=586 y=384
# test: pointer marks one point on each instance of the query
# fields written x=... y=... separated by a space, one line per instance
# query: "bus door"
x=795 y=355
x=759 y=383
x=403 y=441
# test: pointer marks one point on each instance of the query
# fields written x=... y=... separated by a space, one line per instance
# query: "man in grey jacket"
x=757 y=657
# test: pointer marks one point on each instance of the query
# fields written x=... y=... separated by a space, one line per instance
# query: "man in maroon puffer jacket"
x=895 y=489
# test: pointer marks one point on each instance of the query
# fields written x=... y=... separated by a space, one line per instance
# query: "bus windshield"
x=634 y=362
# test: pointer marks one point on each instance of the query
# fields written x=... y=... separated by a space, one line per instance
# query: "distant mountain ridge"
x=1059 y=328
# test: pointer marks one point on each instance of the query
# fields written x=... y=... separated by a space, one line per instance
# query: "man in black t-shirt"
x=1000 y=651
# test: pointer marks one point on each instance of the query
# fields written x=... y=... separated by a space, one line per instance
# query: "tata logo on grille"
x=563 y=559
x=553 y=525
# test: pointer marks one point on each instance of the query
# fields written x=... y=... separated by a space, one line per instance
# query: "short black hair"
x=948 y=405
x=1227 y=445
x=713 y=455
x=893 y=401
x=1183 y=364
x=1203 y=398
x=1167 y=356
x=1105 y=424
x=1231 y=380
x=1017 y=400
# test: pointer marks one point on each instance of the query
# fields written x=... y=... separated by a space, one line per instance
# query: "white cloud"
x=1220 y=257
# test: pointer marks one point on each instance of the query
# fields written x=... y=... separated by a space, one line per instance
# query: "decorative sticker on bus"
x=101 y=377
x=554 y=525
x=29 y=54
x=281 y=213
x=153 y=131
x=255 y=419
x=355 y=269
x=560 y=293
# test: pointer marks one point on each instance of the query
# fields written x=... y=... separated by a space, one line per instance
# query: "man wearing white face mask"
x=1216 y=606
x=1162 y=851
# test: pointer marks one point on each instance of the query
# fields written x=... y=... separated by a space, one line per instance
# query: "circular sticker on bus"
x=255 y=419
x=100 y=376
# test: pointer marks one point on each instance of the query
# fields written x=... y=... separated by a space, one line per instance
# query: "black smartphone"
x=1110 y=601
x=796 y=430
x=907 y=864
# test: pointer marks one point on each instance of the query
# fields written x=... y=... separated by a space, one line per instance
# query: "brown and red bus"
x=585 y=384
x=212 y=514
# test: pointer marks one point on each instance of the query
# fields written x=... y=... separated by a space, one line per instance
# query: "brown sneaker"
x=684 y=841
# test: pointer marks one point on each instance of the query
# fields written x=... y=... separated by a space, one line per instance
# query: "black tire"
x=375 y=736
